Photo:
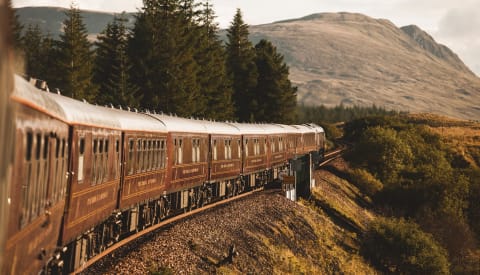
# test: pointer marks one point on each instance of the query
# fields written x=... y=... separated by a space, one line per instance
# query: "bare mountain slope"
x=350 y=58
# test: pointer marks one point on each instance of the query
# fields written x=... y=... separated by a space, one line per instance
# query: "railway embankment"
x=260 y=234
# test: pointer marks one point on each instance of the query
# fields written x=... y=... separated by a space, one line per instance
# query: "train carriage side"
x=306 y=139
x=276 y=149
x=225 y=160
x=319 y=141
x=144 y=147
x=291 y=137
x=37 y=196
x=187 y=166
x=95 y=136
x=254 y=154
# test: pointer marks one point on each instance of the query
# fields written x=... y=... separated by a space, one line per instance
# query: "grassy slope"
x=462 y=136
x=336 y=216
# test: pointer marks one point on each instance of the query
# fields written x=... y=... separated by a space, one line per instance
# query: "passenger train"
x=86 y=176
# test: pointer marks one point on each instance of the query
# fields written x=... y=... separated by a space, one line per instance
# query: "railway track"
x=330 y=156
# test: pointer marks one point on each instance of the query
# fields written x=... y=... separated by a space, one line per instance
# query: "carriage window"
x=228 y=149
x=162 y=154
x=246 y=147
x=64 y=168
x=139 y=156
x=45 y=147
x=155 y=149
x=95 y=162
x=195 y=150
x=81 y=151
x=28 y=182
x=256 y=147
x=225 y=149
x=214 y=151
x=149 y=156
x=28 y=147
x=239 y=149
x=39 y=146
x=178 y=151
x=130 y=156
x=117 y=158
x=145 y=155
x=105 y=160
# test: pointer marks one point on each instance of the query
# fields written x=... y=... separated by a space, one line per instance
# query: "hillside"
x=272 y=235
x=354 y=59
x=347 y=58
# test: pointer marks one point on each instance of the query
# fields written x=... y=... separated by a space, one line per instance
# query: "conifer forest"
x=169 y=60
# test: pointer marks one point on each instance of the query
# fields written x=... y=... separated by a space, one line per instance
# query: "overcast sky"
x=453 y=23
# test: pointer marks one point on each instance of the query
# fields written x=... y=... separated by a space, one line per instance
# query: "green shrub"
x=400 y=246
x=365 y=181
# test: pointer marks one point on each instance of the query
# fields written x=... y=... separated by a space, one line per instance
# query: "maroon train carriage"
x=144 y=172
x=292 y=136
x=306 y=141
x=254 y=154
x=187 y=161
x=95 y=136
x=276 y=147
x=225 y=160
x=319 y=142
x=37 y=195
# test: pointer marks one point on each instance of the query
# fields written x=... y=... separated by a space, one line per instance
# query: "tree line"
x=171 y=60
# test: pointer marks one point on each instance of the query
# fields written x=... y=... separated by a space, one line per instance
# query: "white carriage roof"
x=222 y=128
x=272 y=129
x=289 y=129
x=181 y=125
x=249 y=129
x=29 y=94
x=304 y=129
x=77 y=112
x=317 y=128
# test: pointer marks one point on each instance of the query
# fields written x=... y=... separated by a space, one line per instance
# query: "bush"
x=399 y=246
x=365 y=181
x=382 y=152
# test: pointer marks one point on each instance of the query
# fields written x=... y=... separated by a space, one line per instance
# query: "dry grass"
x=462 y=136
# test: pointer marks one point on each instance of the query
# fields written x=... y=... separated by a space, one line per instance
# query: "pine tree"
x=274 y=92
x=163 y=58
x=241 y=67
x=75 y=59
x=215 y=85
x=112 y=67
x=48 y=60
x=32 y=41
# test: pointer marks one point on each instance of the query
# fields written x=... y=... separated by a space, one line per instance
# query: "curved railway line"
x=329 y=156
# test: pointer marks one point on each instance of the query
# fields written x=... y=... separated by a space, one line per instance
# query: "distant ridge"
x=428 y=43
x=346 y=58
